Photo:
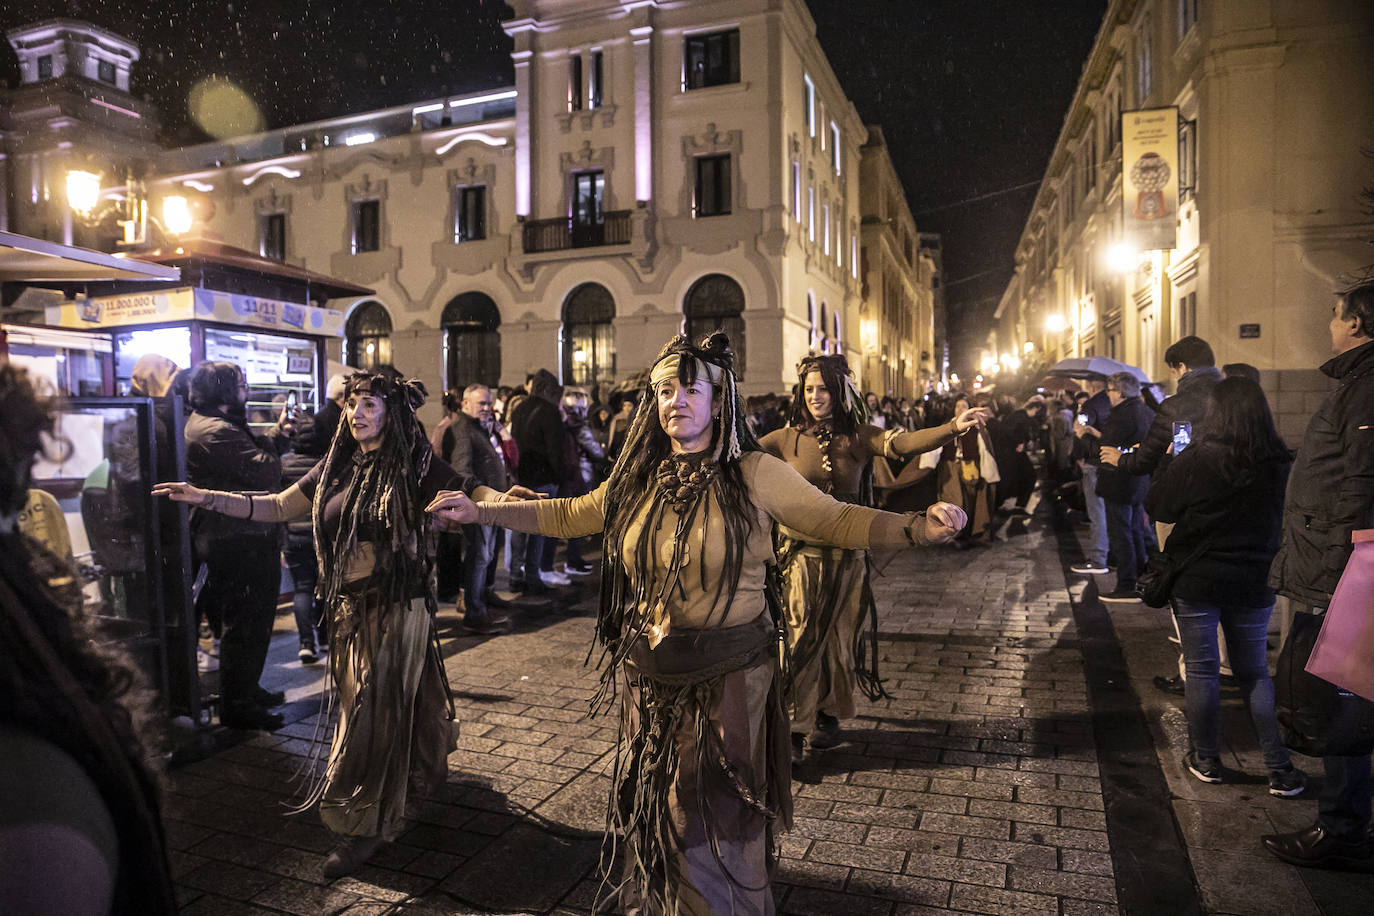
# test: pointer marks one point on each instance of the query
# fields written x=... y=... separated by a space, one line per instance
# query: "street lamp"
x=176 y=214
x=84 y=193
x=1054 y=322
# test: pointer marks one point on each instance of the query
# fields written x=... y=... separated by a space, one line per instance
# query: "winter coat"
x=1331 y=489
x=584 y=455
x=538 y=431
x=223 y=454
x=1239 y=517
x=474 y=455
x=1188 y=404
x=1126 y=425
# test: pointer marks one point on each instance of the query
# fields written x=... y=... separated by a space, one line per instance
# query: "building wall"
x=1282 y=96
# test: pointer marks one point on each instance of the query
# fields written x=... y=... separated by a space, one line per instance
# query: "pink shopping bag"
x=1344 y=652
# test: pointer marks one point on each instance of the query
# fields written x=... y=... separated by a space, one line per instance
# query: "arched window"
x=472 y=342
x=820 y=325
x=367 y=336
x=835 y=332
x=589 y=336
x=716 y=302
x=811 y=334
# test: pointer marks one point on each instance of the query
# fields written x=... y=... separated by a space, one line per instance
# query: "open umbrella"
x=1094 y=367
x=1058 y=383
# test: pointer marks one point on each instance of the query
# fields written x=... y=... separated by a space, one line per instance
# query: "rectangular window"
x=469 y=213
x=811 y=213
x=825 y=215
x=367 y=226
x=854 y=256
x=1187 y=159
x=796 y=191
x=809 y=104
x=835 y=147
x=105 y=71
x=1069 y=187
x=274 y=236
x=711 y=60
x=1187 y=315
x=713 y=186
x=594 y=79
x=839 y=240
x=588 y=190
x=575 y=82
x=45 y=67
x=1187 y=16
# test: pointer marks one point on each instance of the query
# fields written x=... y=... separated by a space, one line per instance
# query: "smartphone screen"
x=1083 y=419
x=1183 y=434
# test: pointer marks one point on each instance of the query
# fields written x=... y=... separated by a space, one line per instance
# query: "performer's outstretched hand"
x=453 y=507
x=519 y=492
x=943 y=522
x=974 y=416
x=181 y=492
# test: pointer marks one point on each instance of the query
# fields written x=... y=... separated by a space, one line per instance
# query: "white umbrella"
x=1094 y=367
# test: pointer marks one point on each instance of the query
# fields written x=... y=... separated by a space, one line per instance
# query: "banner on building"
x=1149 y=178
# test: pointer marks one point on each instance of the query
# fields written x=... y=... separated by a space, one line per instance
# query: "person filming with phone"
x=1122 y=492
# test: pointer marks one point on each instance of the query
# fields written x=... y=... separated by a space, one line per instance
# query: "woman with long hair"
x=690 y=630
x=965 y=475
x=1224 y=494
x=366 y=499
x=829 y=441
x=80 y=827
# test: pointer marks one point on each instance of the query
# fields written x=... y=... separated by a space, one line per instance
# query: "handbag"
x=1155 y=584
x=1316 y=717
x=1344 y=650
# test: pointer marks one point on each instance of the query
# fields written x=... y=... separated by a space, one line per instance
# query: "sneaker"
x=1170 y=685
x=573 y=569
x=554 y=578
x=1206 y=769
x=1088 y=569
x=1121 y=596
x=1287 y=782
x=307 y=654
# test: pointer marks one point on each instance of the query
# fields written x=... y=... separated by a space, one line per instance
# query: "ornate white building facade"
x=654 y=167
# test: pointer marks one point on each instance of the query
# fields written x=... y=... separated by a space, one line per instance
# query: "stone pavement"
x=1021 y=765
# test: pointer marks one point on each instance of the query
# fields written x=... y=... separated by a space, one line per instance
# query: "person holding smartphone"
x=1122 y=491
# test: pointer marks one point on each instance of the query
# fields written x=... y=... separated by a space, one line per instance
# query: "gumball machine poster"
x=1149 y=179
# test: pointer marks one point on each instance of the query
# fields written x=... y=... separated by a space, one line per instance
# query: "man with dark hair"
x=537 y=427
x=241 y=556
x=1122 y=491
x=1193 y=366
x=1095 y=410
x=1330 y=494
x=477 y=454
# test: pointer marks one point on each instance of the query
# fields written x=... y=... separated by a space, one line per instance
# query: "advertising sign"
x=1149 y=179
x=119 y=311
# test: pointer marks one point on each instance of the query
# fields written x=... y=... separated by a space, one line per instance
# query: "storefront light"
x=176 y=214
x=1054 y=323
x=1122 y=258
x=1027 y=347
x=83 y=190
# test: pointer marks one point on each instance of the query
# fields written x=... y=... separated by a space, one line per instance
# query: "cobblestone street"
x=1022 y=765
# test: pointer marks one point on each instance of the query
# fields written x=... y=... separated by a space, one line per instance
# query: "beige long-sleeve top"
x=777 y=492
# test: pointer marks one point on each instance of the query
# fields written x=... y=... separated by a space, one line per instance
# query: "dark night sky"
x=970 y=93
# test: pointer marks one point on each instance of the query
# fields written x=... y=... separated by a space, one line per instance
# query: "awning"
x=24 y=259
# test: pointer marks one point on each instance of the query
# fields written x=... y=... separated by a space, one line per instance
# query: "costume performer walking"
x=702 y=777
x=375 y=544
x=829 y=441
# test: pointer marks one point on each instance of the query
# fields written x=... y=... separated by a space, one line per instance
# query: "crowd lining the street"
x=730 y=536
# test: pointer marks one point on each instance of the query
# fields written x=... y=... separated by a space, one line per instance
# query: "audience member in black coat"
x=1123 y=493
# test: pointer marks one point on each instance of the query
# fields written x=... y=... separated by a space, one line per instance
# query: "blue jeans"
x=1246 y=630
x=300 y=559
x=527 y=550
x=479 y=548
x=1126 y=534
x=1097 y=517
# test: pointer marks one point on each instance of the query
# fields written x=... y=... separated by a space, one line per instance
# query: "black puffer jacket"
x=223 y=454
x=1331 y=489
x=1126 y=425
x=1238 y=516
x=1188 y=403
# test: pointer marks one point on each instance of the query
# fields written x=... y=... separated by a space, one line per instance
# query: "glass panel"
x=474 y=356
x=590 y=354
x=74 y=373
x=275 y=366
x=101 y=485
x=172 y=342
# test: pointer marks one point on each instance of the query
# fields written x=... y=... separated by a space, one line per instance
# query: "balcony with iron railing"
x=565 y=233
